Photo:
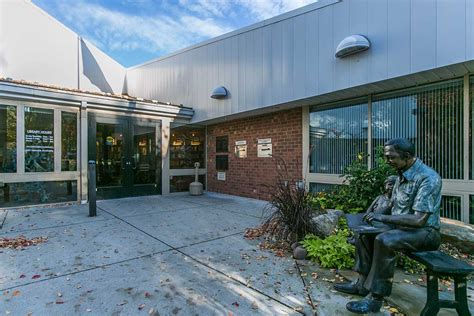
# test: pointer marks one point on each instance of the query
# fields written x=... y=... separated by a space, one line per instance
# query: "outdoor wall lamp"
x=351 y=45
x=219 y=93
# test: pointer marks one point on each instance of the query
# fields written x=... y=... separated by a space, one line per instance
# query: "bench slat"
x=440 y=262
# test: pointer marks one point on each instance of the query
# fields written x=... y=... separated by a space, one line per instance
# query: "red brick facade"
x=248 y=176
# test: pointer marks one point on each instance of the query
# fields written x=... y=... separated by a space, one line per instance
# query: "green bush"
x=361 y=185
x=333 y=251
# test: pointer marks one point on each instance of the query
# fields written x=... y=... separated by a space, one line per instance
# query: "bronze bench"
x=440 y=264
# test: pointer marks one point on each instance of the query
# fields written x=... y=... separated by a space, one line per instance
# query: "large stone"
x=299 y=253
x=325 y=224
x=458 y=234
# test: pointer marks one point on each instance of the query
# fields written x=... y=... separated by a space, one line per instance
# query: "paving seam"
x=310 y=299
x=4 y=219
x=57 y=226
x=89 y=269
x=207 y=266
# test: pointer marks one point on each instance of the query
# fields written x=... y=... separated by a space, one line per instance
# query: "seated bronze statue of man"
x=413 y=215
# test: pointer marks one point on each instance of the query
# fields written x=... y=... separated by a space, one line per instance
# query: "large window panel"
x=431 y=117
x=39 y=139
x=336 y=137
x=68 y=141
x=7 y=138
x=471 y=130
x=187 y=146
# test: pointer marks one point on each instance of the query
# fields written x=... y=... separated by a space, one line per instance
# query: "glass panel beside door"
x=127 y=154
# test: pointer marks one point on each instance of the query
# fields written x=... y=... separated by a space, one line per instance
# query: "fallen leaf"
x=22 y=276
x=254 y=305
x=151 y=311
x=393 y=310
x=59 y=302
x=314 y=275
x=16 y=293
x=147 y=294
x=235 y=304
x=122 y=303
x=141 y=306
x=36 y=276
x=89 y=310
x=60 y=294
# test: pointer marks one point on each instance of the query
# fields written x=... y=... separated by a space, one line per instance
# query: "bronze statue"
x=413 y=222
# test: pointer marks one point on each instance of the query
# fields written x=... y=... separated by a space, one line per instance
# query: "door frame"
x=128 y=188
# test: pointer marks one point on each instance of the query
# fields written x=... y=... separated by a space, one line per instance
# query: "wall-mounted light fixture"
x=351 y=45
x=219 y=93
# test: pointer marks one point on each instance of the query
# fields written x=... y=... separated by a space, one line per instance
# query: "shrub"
x=361 y=185
x=290 y=210
x=333 y=251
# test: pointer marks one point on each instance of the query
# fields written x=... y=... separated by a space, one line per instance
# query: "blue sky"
x=135 y=31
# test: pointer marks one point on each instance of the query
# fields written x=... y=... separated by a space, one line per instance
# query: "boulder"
x=324 y=224
x=299 y=253
x=458 y=234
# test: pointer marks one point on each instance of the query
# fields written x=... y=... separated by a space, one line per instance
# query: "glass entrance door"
x=127 y=155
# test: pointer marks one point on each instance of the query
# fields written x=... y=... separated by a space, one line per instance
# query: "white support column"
x=305 y=145
x=57 y=140
x=165 y=157
x=369 y=132
x=20 y=139
x=83 y=151
x=466 y=139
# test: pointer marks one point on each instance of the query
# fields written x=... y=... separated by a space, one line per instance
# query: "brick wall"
x=248 y=176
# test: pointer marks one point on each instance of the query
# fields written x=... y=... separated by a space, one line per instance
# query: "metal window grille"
x=336 y=137
x=431 y=117
x=451 y=207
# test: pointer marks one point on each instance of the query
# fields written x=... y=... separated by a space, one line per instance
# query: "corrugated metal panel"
x=290 y=59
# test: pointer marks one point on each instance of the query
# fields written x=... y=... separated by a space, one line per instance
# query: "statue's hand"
x=370 y=217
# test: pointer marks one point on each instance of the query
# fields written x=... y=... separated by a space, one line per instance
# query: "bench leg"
x=460 y=295
x=432 y=299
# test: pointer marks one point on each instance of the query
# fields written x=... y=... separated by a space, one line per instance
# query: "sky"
x=135 y=31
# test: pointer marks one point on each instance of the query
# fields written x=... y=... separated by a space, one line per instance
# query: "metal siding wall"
x=294 y=58
x=377 y=30
x=451 y=31
x=423 y=34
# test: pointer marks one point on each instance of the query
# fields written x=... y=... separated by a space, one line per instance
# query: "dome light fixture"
x=219 y=93
x=352 y=44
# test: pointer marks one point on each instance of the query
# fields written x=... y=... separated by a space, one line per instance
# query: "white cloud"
x=264 y=9
x=121 y=31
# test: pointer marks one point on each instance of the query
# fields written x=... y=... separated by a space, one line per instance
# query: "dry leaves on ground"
x=20 y=242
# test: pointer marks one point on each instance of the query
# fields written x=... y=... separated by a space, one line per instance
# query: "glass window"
x=32 y=193
x=222 y=144
x=7 y=138
x=431 y=117
x=68 y=141
x=181 y=183
x=471 y=131
x=471 y=209
x=336 y=137
x=222 y=162
x=39 y=140
x=187 y=147
x=451 y=207
x=315 y=187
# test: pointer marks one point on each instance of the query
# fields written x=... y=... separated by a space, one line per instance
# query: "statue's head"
x=388 y=184
x=399 y=153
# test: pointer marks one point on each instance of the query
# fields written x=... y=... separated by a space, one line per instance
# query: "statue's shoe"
x=353 y=288
x=364 y=306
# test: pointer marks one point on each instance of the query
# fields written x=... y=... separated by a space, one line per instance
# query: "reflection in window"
x=451 y=207
x=33 y=193
x=187 y=147
x=431 y=117
x=68 y=141
x=471 y=131
x=471 y=209
x=222 y=144
x=7 y=138
x=144 y=161
x=336 y=137
x=315 y=187
x=39 y=140
x=181 y=183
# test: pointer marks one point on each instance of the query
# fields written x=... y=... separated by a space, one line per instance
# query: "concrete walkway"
x=155 y=255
